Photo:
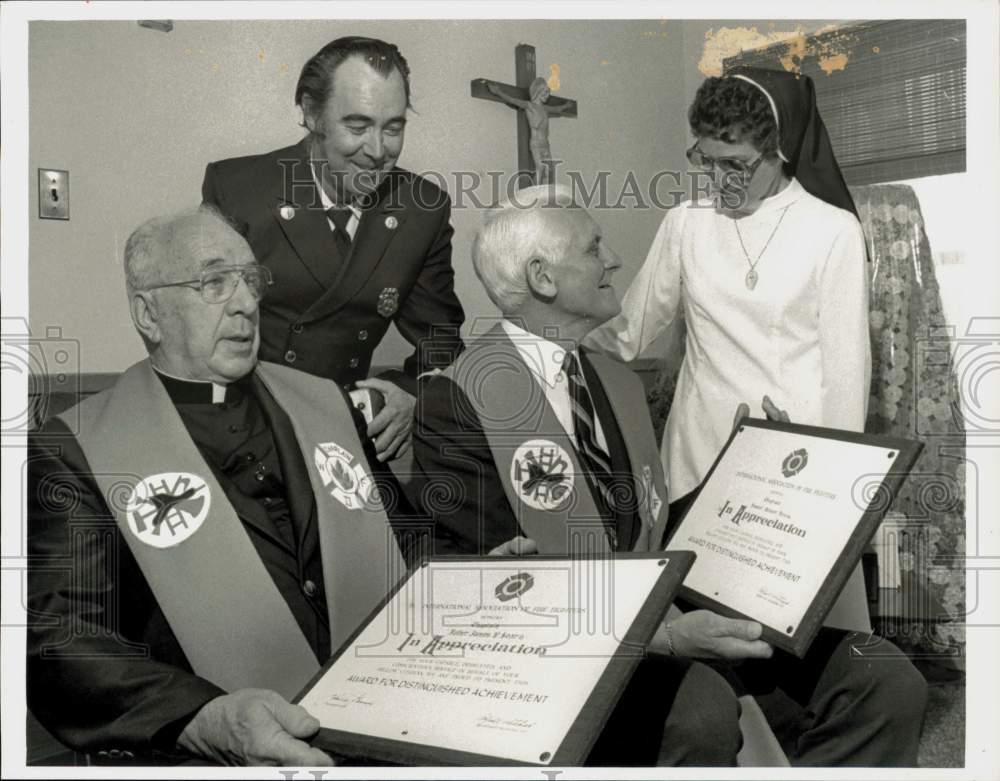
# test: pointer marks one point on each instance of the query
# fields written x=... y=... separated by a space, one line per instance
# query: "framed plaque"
x=494 y=660
x=782 y=519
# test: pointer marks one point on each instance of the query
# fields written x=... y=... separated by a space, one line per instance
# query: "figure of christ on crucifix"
x=535 y=102
x=538 y=122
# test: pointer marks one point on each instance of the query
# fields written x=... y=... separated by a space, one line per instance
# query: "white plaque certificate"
x=781 y=521
x=495 y=660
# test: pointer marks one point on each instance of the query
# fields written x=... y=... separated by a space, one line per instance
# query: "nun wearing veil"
x=770 y=270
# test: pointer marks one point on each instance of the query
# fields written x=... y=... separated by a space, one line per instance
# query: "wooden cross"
x=525 y=73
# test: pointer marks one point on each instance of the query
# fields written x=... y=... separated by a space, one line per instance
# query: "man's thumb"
x=296 y=720
x=523 y=546
x=518 y=546
x=746 y=630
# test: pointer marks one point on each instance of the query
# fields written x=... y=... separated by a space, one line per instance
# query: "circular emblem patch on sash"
x=542 y=474
x=166 y=509
x=653 y=501
x=343 y=475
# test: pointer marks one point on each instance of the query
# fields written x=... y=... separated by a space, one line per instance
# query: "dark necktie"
x=340 y=217
x=595 y=459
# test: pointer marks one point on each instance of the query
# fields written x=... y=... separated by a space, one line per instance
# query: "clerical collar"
x=182 y=391
x=543 y=357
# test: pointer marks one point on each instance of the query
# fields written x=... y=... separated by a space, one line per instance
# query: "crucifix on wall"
x=529 y=94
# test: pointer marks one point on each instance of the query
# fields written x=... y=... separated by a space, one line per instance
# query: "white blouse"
x=800 y=336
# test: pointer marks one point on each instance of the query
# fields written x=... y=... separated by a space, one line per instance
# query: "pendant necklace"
x=751 y=277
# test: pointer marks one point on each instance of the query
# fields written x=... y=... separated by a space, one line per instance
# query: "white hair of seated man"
x=513 y=234
x=142 y=261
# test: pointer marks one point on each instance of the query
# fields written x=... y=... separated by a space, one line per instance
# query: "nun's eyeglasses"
x=728 y=166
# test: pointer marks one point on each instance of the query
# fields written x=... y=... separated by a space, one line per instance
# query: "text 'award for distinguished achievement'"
x=781 y=522
x=495 y=660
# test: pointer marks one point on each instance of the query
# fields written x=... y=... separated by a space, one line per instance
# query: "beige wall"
x=135 y=115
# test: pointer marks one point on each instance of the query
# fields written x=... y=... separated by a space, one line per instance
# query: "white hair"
x=143 y=260
x=511 y=236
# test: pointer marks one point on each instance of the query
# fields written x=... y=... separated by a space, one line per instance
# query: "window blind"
x=896 y=110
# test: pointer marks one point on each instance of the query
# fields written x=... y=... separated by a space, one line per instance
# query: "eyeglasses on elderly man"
x=218 y=284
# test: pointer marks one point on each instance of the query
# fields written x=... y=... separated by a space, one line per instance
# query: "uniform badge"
x=388 y=301
x=653 y=501
x=344 y=476
x=287 y=212
x=542 y=475
x=391 y=223
x=165 y=509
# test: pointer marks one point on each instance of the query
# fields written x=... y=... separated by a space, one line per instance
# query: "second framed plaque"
x=782 y=519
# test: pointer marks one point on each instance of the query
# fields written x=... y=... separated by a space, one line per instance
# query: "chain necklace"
x=751 y=277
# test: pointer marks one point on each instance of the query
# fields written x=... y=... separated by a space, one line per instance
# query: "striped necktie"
x=595 y=459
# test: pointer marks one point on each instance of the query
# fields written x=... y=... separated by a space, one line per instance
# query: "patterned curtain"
x=914 y=394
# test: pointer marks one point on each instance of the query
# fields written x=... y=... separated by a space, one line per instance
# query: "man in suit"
x=527 y=435
x=183 y=540
x=528 y=398
x=353 y=241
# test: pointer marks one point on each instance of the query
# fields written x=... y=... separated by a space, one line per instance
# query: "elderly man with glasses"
x=202 y=534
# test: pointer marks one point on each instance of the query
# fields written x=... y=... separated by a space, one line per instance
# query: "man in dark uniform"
x=353 y=242
x=183 y=540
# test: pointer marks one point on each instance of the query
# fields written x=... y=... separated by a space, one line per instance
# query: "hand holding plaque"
x=253 y=727
x=516 y=546
x=702 y=634
x=781 y=520
x=770 y=410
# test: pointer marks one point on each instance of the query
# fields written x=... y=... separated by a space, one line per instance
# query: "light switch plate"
x=53 y=194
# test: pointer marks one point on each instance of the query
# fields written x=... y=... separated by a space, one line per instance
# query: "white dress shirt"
x=800 y=336
x=545 y=359
x=352 y=223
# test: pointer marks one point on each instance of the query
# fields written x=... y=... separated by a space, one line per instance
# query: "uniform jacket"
x=326 y=316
